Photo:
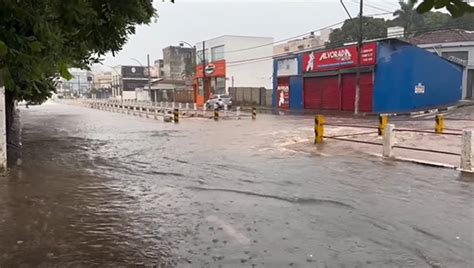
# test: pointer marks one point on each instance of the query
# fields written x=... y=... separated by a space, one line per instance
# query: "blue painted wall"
x=296 y=87
x=296 y=92
x=275 y=83
x=401 y=66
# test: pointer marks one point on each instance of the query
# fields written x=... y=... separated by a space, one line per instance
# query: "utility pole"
x=149 y=75
x=204 y=67
x=359 y=53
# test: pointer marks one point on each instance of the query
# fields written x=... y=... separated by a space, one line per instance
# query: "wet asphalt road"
x=100 y=189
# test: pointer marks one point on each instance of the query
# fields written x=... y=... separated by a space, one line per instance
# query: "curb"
x=425 y=112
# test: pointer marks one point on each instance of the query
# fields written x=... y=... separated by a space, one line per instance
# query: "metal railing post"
x=388 y=140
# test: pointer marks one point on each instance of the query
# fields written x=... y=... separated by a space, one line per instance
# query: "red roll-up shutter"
x=312 y=94
x=366 y=92
x=322 y=93
x=331 y=93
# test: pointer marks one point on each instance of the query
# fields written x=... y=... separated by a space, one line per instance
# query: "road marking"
x=229 y=230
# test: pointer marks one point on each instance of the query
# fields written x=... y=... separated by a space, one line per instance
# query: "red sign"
x=215 y=69
x=283 y=96
x=340 y=58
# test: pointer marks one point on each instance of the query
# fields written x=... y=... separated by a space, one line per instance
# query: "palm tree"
x=407 y=17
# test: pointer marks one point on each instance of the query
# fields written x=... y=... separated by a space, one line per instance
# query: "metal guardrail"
x=387 y=131
x=169 y=111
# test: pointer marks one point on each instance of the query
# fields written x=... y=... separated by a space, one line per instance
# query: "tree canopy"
x=373 y=28
x=456 y=8
x=408 y=17
x=40 y=40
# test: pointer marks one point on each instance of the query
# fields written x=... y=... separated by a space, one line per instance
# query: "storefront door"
x=348 y=92
x=322 y=93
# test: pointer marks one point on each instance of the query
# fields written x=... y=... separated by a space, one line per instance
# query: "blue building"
x=395 y=77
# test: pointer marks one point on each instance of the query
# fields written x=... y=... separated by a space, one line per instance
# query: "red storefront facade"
x=329 y=78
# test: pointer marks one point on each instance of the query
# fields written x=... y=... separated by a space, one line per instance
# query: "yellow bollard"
x=216 y=114
x=383 y=121
x=254 y=113
x=176 y=115
x=318 y=129
x=439 y=124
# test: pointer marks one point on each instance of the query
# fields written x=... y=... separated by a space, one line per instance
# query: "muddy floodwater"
x=101 y=189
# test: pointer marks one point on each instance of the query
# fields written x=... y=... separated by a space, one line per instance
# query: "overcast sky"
x=197 y=20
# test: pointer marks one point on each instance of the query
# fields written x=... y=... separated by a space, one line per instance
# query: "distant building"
x=178 y=62
x=102 y=85
x=103 y=80
x=80 y=83
x=307 y=43
x=158 y=69
x=127 y=79
x=232 y=61
x=456 y=45
x=395 y=32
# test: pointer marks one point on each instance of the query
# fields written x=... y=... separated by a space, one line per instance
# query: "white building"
x=309 y=42
x=233 y=61
x=80 y=83
x=456 y=45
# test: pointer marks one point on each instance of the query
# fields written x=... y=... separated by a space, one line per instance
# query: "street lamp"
x=137 y=61
x=149 y=72
x=182 y=43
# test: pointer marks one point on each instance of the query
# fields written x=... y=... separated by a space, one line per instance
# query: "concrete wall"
x=248 y=66
x=401 y=67
x=3 y=132
x=455 y=47
x=251 y=96
x=178 y=62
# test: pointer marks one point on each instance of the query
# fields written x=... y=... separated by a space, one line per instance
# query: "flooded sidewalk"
x=105 y=189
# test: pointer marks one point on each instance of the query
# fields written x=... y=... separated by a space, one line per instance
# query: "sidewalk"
x=456 y=120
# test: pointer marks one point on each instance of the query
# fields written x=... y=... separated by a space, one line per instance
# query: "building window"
x=462 y=55
x=218 y=85
x=217 y=53
x=199 y=56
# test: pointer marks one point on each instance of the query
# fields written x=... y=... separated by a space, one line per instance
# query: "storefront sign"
x=283 y=93
x=420 y=89
x=339 y=58
x=133 y=72
x=210 y=68
x=215 y=69
x=287 y=67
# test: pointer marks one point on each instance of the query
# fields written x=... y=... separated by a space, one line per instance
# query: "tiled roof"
x=443 y=36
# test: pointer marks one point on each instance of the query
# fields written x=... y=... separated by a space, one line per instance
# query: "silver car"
x=219 y=101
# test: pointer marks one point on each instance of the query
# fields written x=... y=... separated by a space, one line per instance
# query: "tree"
x=457 y=8
x=407 y=17
x=416 y=24
x=373 y=28
x=40 y=40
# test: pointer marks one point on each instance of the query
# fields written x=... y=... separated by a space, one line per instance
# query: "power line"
x=301 y=35
x=372 y=6
x=265 y=58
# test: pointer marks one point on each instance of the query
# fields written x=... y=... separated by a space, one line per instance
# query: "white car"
x=219 y=101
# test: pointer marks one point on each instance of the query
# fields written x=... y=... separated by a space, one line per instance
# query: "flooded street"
x=111 y=190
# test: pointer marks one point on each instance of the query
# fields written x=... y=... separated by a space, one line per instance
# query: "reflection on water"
x=104 y=189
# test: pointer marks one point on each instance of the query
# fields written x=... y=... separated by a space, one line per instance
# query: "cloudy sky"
x=197 y=20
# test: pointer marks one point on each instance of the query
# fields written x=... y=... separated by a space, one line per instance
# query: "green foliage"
x=407 y=17
x=40 y=40
x=373 y=28
x=457 y=8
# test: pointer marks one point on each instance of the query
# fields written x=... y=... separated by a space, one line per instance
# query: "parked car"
x=219 y=101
